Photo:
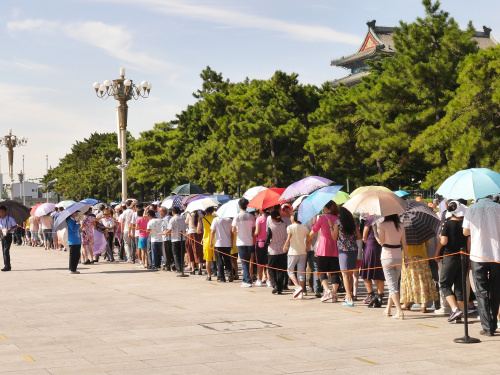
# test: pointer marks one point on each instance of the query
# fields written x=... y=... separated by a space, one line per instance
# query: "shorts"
x=28 y=233
x=261 y=254
x=208 y=253
x=329 y=264
x=34 y=235
x=47 y=234
x=143 y=243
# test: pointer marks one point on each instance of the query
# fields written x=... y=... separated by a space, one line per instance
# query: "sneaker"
x=74 y=272
x=297 y=291
x=246 y=285
x=327 y=296
x=300 y=296
x=442 y=311
x=317 y=295
x=455 y=315
x=304 y=293
x=349 y=304
x=269 y=285
x=258 y=283
x=472 y=309
x=335 y=298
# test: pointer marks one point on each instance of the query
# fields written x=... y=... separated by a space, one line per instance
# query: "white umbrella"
x=229 y=209
x=298 y=201
x=81 y=206
x=45 y=209
x=202 y=204
x=376 y=202
x=252 y=192
x=65 y=204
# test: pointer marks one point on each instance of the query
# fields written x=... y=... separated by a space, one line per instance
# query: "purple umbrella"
x=304 y=187
x=171 y=201
x=193 y=197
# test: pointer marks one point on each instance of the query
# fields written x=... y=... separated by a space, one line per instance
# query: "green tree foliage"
x=469 y=133
x=90 y=169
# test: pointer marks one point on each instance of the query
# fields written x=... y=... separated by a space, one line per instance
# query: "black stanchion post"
x=181 y=261
x=466 y=339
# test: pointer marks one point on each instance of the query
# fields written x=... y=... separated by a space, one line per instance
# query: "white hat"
x=459 y=212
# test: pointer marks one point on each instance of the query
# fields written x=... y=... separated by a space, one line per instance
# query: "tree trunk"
x=380 y=167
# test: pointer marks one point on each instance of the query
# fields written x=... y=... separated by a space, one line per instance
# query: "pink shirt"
x=327 y=246
x=261 y=223
x=142 y=225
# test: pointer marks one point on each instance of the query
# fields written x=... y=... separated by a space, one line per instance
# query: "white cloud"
x=229 y=17
x=114 y=40
x=24 y=64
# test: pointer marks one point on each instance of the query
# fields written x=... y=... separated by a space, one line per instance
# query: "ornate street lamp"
x=10 y=141
x=21 y=186
x=122 y=90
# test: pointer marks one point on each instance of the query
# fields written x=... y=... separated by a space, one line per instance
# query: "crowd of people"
x=325 y=256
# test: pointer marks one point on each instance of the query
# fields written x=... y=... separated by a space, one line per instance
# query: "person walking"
x=296 y=246
x=176 y=228
x=261 y=249
x=275 y=240
x=155 y=235
x=221 y=238
x=87 y=229
x=46 y=222
x=391 y=235
x=110 y=226
x=244 y=227
x=7 y=226
x=167 y=241
x=347 y=235
x=74 y=242
x=371 y=266
x=208 y=250
x=482 y=224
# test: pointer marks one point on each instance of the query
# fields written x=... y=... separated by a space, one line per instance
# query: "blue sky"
x=54 y=50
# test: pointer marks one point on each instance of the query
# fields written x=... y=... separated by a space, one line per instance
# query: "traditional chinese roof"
x=379 y=40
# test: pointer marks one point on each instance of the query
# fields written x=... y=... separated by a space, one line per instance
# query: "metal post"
x=466 y=339
x=24 y=191
x=47 y=183
x=122 y=122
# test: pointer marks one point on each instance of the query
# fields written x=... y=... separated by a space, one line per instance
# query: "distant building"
x=32 y=190
x=379 y=41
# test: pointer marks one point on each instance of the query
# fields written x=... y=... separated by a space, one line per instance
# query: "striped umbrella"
x=420 y=221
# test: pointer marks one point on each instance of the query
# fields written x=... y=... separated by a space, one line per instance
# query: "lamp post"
x=10 y=141
x=122 y=90
x=46 y=172
x=21 y=180
x=24 y=191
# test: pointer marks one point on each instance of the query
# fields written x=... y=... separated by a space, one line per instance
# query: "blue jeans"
x=157 y=252
x=245 y=252
x=313 y=264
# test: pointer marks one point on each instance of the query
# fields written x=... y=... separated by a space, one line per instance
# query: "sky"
x=54 y=50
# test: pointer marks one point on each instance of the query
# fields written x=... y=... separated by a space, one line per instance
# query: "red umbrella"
x=32 y=212
x=267 y=198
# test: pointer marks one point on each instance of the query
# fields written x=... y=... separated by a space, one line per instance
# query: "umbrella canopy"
x=16 y=210
x=33 y=209
x=229 y=209
x=267 y=198
x=252 y=192
x=189 y=198
x=65 y=204
x=401 y=193
x=341 y=197
x=81 y=206
x=298 y=201
x=471 y=183
x=90 y=201
x=376 y=202
x=420 y=221
x=362 y=189
x=188 y=189
x=313 y=204
x=202 y=204
x=173 y=200
x=305 y=186
x=45 y=209
x=221 y=198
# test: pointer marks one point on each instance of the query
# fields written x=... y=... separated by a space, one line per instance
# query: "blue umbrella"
x=221 y=198
x=229 y=209
x=471 y=183
x=90 y=201
x=81 y=206
x=401 y=193
x=314 y=203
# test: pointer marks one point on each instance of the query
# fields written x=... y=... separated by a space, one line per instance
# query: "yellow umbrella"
x=376 y=202
x=362 y=189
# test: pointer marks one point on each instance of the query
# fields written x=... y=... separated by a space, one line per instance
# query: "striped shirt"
x=278 y=239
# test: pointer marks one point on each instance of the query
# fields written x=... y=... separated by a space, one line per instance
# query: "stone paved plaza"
x=115 y=319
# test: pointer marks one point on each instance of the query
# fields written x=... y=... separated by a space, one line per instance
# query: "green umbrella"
x=188 y=189
x=341 y=197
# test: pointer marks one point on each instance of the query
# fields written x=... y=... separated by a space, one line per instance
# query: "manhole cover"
x=242 y=325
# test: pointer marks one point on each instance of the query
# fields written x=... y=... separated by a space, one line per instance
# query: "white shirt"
x=133 y=221
x=164 y=226
x=154 y=225
x=244 y=223
x=299 y=233
x=176 y=224
x=483 y=221
x=222 y=228
x=109 y=224
x=126 y=216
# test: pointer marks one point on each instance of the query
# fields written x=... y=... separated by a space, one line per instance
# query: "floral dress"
x=88 y=230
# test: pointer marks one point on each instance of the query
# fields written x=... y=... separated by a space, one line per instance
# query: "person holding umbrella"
x=74 y=242
x=7 y=226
